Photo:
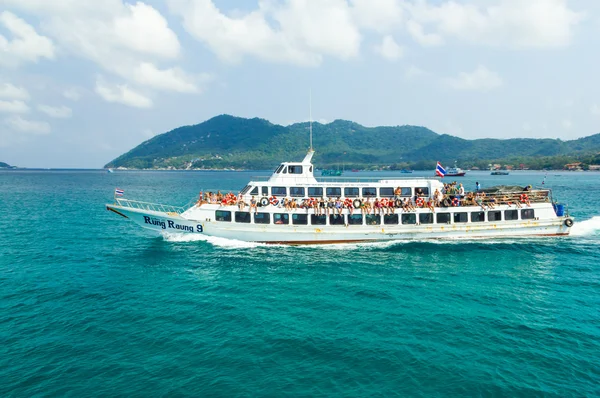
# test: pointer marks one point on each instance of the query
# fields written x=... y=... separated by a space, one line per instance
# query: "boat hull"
x=328 y=234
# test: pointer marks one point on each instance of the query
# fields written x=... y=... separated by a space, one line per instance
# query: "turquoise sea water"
x=90 y=305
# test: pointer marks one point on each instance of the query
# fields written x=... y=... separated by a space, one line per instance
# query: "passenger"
x=253 y=205
x=330 y=206
x=338 y=206
x=219 y=197
x=477 y=186
x=367 y=206
x=397 y=193
x=461 y=191
x=431 y=205
x=241 y=203
x=322 y=206
x=437 y=198
x=376 y=206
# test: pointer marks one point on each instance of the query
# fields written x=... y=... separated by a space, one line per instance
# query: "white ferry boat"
x=293 y=207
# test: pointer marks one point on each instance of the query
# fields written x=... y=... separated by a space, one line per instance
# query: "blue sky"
x=83 y=81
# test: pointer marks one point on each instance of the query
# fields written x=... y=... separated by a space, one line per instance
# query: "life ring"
x=455 y=202
x=357 y=203
x=264 y=201
x=273 y=200
x=569 y=222
x=398 y=203
x=384 y=202
x=524 y=198
x=348 y=202
x=420 y=202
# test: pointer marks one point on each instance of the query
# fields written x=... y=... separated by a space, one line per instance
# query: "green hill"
x=232 y=142
x=5 y=165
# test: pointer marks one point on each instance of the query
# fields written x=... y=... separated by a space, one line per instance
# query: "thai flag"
x=439 y=170
x=119 y=192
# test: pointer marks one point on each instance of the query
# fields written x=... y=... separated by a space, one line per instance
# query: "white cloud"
x=481 y=79
x=173 y=79
x=26 y=45
x=595 y=109
x=389 y=49
x=27 y=126
x=122 y=94
x=567 y=124
x=8 y=90
x=425 y=39
x=119 y=37
x=379 y=15
x=13 y=106
x=513 y=23
x=414 y=71
x=73 y=94
x=58 y=112
x=304 y=31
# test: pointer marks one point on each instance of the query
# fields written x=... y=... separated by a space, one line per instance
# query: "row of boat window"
x=297 y=169
x=331 y=192
x=374 y=219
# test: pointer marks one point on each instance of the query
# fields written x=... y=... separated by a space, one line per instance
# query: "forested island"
x=228 y=142
x=5 y=166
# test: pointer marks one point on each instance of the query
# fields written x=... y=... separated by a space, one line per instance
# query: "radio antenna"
x=310 y=111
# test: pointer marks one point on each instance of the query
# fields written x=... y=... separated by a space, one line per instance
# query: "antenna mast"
x=310 y=110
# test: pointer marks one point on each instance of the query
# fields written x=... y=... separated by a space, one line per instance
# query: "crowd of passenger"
x=451 y=195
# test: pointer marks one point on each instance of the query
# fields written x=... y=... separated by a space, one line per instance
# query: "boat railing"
x=349 y=179
x=136 y=204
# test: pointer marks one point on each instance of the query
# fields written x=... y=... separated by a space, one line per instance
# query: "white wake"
x=586 y=227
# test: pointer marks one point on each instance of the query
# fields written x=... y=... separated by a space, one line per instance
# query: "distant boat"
x=331 y=173
x=355 y=170
x=110 y=171
x=455 y=172
x=499 y=173
x=405 y=171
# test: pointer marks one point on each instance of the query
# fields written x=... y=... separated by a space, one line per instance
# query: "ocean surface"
x=91 y=305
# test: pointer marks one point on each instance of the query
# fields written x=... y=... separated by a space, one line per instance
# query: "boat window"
x=222 y=215
x=262 y=218
x=333 y=192
x=406 y=191
x=461 y=217
x=443 y=218
x=351 y=192
x=281 y=218
x=316 y=219
x=279 y=191
x=246 y=189
x=527 y=214
x=369 y=192
x=297 y=192
x=310 y=169
x=511 y=215
x=336 y=219
x=265 y=191
x=390 y=219
x=386 y=192
x=495 y=215
x=279 y=169
x=299 y=219
x=284 y=170
x=409 y=218
x=355 y=219
x=425 y=190
x=315 y=192
x=242 y=216
x=254 y=191
x=478 y=216
x=426 y=218
x=295 y=169
x=372 y=219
